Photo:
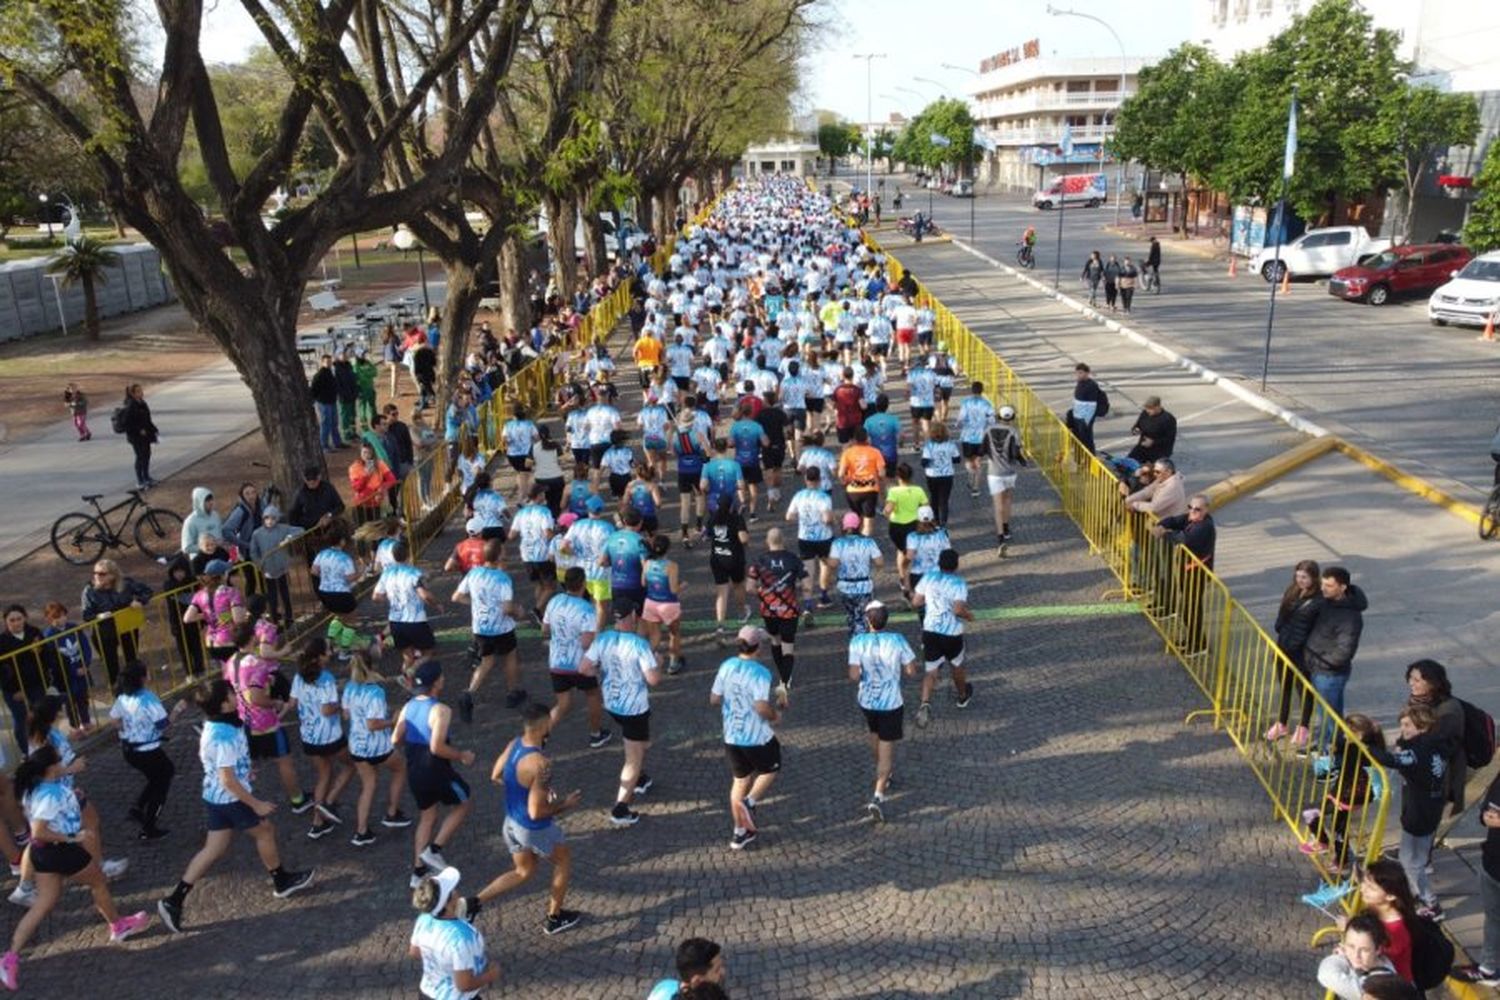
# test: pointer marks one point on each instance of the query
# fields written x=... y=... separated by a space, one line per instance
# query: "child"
x=1359 y=955
x=370 y=746
x=315 y=694
x=1349 y=789
x=266 y=548
x=78 y=405
x=142 y=721
x=1422 y=758
x=75 y=655
x=62 y=849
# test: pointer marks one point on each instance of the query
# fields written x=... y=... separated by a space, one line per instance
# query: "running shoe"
x=1300 y=737
x=643 y=784
x=319 y=832
x=924 y=715
x=514 y=699
x=560 y=921
x=782 y=695
x=418 y=874
x=721 y=637
x=623 y=815
x=1479 y=975
x=152 y=833
x=128 y=926
x=742 y=840
x=675 y=665
x=468 y=908
x=807 y=618
x=330 y=812
x=290 y=882
x=1312 y=848
x=302 y=804
x=1277 y=731
x=466 y=707
x=10 y=969
x=115 y=867
x=876 y=809
x=745 y=618
x=968 y=696
x=432 y=858
x=364 y=838
x=170 y=912
x=824 y=600
x=396 y=819
x=23 y=894
x=599 y=739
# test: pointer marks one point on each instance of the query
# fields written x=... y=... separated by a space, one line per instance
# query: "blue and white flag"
x=983 y=141
x=938 y=139
x=1067 y=141
x=1291 y=140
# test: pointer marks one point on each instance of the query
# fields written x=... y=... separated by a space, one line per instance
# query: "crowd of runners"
x=769 y=352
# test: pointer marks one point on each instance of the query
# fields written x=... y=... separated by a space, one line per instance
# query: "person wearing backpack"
x=1089 y=404
x=1421 y=757
x=1427 y=680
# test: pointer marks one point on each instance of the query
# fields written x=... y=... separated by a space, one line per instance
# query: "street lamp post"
x=1119 y=94
x=869 y=58
x=405 y=240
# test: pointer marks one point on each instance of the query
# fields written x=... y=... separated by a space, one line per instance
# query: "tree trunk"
x=645 y=207
x=562 y=217
x=515 y=300
x=669 y=204
x=119 y=221
x=595 y=253
x=460 y=305
x=90 y=311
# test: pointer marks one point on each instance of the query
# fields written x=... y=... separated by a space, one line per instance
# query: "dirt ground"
x=149 y=347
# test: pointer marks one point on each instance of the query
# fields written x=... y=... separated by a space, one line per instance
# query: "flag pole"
x=1280 y=234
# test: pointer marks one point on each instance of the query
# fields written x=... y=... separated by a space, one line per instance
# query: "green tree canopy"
x=947 y=117
x=1482 y=230
x=1177 y=119
x=1415 y=123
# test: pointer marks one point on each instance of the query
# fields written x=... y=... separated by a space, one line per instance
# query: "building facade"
x=797 y=157
x=1026 y=103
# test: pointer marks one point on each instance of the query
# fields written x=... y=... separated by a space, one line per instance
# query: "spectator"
x=266 y=549
x=364 y=379
x=1427 y=680
x=1195 y=531
x=1165 y=495
x=1421 y=757
x=243 y=520
x=209 y=549
x=1333 y=640
x=203 y=519
x=1294 y=619
x=424 y=370
x=29 y=667
x=177 y=591
x=370 y=478
x=1384 y=892
x=106 y=593
x=325 y=393
x=1156 y=430
x=1358 y=956
x=346 y=387
x=77 y=402
x=1086 y=399
x=140 y=432
x=74 y=655
x=1487 y=971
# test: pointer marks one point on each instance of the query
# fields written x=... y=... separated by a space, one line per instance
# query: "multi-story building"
x=1026 y=102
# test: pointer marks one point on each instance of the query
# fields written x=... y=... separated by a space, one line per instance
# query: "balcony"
x=1049 y=135
x=1005 y=107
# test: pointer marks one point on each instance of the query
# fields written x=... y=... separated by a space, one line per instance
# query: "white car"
x=1318 y=252
x=1472 y=297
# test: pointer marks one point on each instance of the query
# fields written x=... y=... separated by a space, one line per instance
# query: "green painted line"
x=836 y=613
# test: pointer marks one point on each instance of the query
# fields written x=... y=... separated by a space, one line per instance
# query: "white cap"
x=924 y=513
x=1007 y=413
x=474 y=526
x=447 y=881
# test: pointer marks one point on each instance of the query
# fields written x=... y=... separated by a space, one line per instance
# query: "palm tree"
x=85 y=261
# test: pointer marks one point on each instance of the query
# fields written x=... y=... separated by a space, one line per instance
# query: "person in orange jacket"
x=370 y=478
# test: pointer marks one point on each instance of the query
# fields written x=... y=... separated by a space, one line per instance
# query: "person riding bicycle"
x=1028 y=242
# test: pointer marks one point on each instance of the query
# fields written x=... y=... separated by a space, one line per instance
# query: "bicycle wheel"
x=158 y=532
x=1489 y=518
x=79 y=538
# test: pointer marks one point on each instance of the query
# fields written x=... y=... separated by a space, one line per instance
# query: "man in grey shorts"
x=530 y=830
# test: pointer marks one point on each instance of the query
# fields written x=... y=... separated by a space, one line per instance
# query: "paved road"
x=1065 y=836
x=1422 y=396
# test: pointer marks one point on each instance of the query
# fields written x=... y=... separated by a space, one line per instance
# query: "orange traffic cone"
x=1233 y=265
x=1286 y=281
x=1489 y=328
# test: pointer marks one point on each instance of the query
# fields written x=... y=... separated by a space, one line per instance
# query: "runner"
x=742 y=688
x=723 y=477
x=230 y=804
x=877 y=659
x=749 y=437
x=364 y=707
x=943 y=599
x=532 y=528
x=905 y=320
x=142 y=721
x=602 y=421
x=451 y=949
x=902 y=502
x=647 y=353
x=466 y=554
x=618 y=461
x=422 y=733
x=922 y=383
x=691 y=447
x=584 y=543
x=336 y=572
x=491 y=597
x=923 y=547
x=315 y=697
x=625 y=554
x=976 y=416
x=626 y=667
x=568 y=628
x=519 y=435
x=884 y=430
x=262 y=694
x=854 y=559
x=404 y=587
x=1003 y=454
x=654 y=420
x=938 y=456
x=812 y=510
x=861 y=469
x=663 y=607
x=699 y=962
x=530 y=828
x=727 y=537
x=848 y=406
x=643 y=496
x=775 y=578
x=815 y=456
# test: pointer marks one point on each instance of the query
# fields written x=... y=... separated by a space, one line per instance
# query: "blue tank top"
x=658 y=583
x=517 y=795
x=642 y=500
x=417 y=743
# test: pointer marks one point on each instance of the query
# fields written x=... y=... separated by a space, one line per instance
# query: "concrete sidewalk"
x=197 y=414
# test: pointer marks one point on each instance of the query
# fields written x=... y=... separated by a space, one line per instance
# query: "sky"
x=918 y=37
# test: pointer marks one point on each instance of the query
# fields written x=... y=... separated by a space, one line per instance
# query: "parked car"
x=1414 y=267
x=963 y=188
x=1318 y=252
x=1472 y=297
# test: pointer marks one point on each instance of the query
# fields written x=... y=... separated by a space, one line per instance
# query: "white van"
x=1089 y=190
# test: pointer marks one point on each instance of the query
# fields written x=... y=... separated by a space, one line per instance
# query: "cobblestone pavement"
x=1065 y=836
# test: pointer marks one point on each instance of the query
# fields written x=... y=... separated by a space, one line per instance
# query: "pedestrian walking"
x=877 y=659
x=1153 y=264
x=77 y=403
x=139 y=430
x=742 y=692
x=1128 y=275
x=626 y=668
x=1111 y=281
x=1093 y=273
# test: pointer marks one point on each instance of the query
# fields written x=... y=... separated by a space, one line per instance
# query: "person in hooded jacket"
x=204 y=518
x=239 y=529
x=1332 y=641
x=1421 y=757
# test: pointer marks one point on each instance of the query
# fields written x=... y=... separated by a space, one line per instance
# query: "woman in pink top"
x=220 y=606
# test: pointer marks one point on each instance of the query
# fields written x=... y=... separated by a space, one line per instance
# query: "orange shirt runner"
x=861 y=467
x=647 y=352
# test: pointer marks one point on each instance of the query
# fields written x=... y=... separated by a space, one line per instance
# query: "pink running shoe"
x=127 y=926
x=1276 y=732
x=10 y=971
x=1311 y=847
x=1300 y=737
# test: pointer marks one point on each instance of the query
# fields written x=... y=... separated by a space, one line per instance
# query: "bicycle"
x=80 y=538
x=1026 y=257
x=1151 y=280
x=1489 y=517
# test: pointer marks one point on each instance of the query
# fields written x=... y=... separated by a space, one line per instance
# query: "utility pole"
x=869 y=58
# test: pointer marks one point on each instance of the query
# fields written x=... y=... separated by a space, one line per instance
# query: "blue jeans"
x=328 y=426
x=1331 y=687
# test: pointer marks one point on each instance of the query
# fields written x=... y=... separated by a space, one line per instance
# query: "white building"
x=797 y=156
x=1025 y=102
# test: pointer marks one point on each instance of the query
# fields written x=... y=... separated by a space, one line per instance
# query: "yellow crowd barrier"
x=1247 y=680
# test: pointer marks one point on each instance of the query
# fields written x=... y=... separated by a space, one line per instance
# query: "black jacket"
x=138 y=425
x=1334 y=637
x=1161 y=429
x=32 y=672
x=309 y=505
x=241 y=524
x=1423 y=763
x=1293 y=625
x=1198 y=537
x=1153 y=255
x=346 y=385
x=323 y=387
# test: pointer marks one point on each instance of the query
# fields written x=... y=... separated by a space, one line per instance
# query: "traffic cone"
x=1489 y=328
x=1233 y=265
x=1286 y=281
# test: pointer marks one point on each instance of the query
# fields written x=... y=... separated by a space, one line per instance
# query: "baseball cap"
x=474 y=526
x=924 y=513
x=566 y=521
x=427 y=674
x=595 y=504
x=216 y=567
x=752 y=634
x=447 y=881
x=852 y=520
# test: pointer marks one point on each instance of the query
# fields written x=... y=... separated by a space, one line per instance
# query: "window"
x=1341 y=239
x=1107 y=86
x=1078 y=86
x=1314 y=241
x=1414 y=260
